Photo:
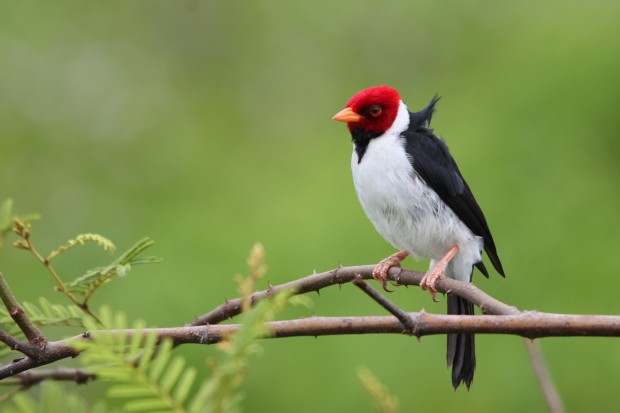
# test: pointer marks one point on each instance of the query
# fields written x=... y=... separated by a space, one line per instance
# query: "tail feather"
x=461 y=354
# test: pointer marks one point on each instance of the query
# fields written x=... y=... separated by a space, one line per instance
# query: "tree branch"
x=32 y=332
x=32 y=377
x=530 y=324
x=527 y=324
x=552 y=397
x=51 y=352
x=342 y=275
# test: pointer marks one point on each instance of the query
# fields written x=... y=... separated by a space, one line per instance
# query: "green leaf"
x=221 y=391
x=172 y=373
x=107 y=316
x=94 y=278
x=135 y=342
x=149 y=378
x=149 y=348
x=160 y=362
x=145 y=405
x=185 y=385
x=200 y=399
x=120 y=320
x=129 y=390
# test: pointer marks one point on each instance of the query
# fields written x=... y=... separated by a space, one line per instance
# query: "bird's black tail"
x=461 y=347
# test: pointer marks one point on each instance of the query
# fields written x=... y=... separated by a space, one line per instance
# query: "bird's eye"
x=375 y=110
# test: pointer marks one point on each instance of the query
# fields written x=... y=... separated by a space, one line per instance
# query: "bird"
x=413 y=192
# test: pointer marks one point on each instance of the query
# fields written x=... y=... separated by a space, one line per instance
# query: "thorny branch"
x=36 y=339
x=500 y=319
x=342 y=275
x=32 y=377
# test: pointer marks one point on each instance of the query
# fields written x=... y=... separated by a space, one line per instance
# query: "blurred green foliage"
x=206 y=126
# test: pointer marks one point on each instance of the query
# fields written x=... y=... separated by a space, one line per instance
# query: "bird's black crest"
x=422 y=119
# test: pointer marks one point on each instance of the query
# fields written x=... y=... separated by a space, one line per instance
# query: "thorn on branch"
x=334 y=272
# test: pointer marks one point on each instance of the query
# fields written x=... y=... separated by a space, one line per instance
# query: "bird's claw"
x=430 y=280
x=380 y=272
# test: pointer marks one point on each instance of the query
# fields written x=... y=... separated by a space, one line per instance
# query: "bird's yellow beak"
x=347 y=115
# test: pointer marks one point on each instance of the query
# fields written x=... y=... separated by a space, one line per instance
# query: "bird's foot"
x=432 y=276
x=381 y=270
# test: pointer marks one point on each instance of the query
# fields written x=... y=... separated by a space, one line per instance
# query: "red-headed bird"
x=413 y=192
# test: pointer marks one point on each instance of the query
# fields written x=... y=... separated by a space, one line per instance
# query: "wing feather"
x=431 y=159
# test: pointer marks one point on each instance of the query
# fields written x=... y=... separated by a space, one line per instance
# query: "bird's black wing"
x=432 y=161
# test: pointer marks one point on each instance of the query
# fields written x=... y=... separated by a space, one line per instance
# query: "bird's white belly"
x=408 y=213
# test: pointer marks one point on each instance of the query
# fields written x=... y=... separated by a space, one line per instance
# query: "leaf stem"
x=61 y=285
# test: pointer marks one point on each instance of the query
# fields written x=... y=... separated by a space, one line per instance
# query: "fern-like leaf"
x=88 y=283
x=220 y=393
x=151 y=378
x=81 y=239
x=143 y=371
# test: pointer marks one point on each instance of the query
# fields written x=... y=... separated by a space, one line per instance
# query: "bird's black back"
x=432 y=161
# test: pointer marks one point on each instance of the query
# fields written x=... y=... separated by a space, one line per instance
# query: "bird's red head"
x=373 y=109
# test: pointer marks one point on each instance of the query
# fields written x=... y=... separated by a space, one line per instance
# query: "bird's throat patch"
x=361 y=138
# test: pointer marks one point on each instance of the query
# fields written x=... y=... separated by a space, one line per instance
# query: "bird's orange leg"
x=381 y=270
x=433 y=275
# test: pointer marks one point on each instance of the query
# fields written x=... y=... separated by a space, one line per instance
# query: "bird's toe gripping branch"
x=432 y=276
x=380 y=272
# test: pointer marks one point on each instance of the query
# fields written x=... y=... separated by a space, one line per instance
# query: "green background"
x=206 y=125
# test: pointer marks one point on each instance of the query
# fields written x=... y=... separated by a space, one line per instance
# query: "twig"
x=23 y=230
x=53 y=351
x=402 y=316
x=36 y=339
x=32 y=377
x=9 y=340
x=552 y=397
x=342 y=275
x=311 y=283
x=32 y=332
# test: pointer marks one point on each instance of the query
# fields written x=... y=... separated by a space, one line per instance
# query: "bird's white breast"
x=404 y=210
